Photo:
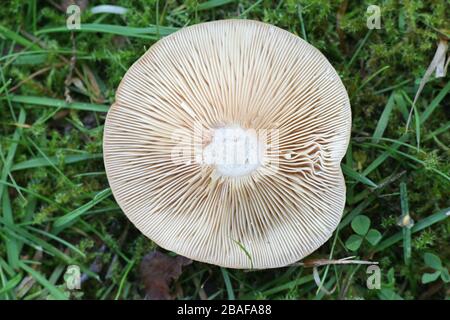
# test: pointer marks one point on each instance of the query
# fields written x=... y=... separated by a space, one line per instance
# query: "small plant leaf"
x=353 y=242
x=388 y=294
x=373 y=236
x=430 y=277
x=445 y=276
x=432 y=261
x=361 y=224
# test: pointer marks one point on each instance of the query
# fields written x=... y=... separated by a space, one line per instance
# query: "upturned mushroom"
x=224 y=145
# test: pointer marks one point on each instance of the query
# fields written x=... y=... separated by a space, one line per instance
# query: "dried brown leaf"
x=158 y=270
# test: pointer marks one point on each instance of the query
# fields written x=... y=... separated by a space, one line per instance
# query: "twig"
x=323 y=262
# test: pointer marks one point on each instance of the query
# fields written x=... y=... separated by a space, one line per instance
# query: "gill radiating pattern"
x=230 y=72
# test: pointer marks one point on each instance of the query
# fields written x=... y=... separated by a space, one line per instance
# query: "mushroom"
x=224 y=145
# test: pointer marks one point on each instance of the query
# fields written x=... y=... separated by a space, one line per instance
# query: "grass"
x=56 y=207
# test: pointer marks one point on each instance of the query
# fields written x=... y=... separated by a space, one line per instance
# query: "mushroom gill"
x=182 y=109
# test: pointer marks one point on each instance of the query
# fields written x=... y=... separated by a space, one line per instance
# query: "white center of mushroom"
x=234 y=151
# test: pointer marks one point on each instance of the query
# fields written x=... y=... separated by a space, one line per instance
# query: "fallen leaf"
x=158 y=270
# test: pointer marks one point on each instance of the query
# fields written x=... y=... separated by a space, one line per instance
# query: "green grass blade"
x=50 y=163
x=384 y=119
x=228 y=286
x=11 y=35
x=72 y=216
x=406 y=230
x=11 y=284
x=43 y=162
x=417 y=125
x=150 y=32
x=288 y=285
x=244 y=249
x=358 y=50
x=12 y=151
x=58 y=103
x=54 y=291
x=33 y=241
x=408 y=156
x=12 y=247
x=357 y=176
x=37 y=195
x=422 y=224
x=211 y=4
x=435 y=103
x=384 y=156
x=58 y=239
x=123 y=279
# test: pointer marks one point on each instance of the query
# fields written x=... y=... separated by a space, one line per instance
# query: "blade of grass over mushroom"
x=63 y=221
x=241 y=246
x=422 y=224
x=58 y=103
x=211 y=4
x=54 y=291
x=44 y=162
x=357 y=176
x=228 y=285
x=384 y=119
x=150 y=32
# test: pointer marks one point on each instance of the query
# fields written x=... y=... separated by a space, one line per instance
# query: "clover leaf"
x=434 y=262
x=361 y=225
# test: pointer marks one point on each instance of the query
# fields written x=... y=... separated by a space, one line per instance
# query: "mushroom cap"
x=223 y=74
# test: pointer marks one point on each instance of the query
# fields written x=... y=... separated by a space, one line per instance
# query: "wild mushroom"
x=234 y=79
